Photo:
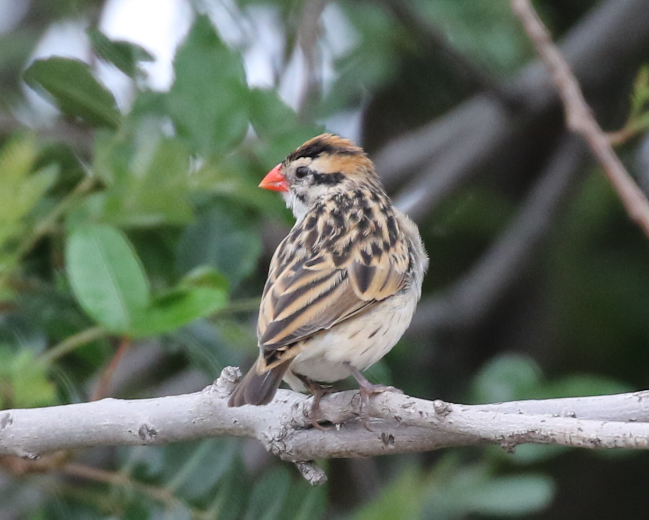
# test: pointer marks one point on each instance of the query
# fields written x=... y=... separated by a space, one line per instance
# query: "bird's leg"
x=366 y=390
x=318 y=391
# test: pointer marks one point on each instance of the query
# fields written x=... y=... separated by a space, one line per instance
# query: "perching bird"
x=343 y=285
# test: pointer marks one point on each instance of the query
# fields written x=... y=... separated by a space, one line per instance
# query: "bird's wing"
x=320 y=277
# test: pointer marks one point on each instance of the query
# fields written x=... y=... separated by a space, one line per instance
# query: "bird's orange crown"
x=334 y=154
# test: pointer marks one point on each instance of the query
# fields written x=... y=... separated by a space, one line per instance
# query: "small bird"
x=343 y=285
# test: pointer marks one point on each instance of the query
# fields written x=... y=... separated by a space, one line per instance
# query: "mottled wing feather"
x=382 y=276
x=302 y=301
x=319 y=281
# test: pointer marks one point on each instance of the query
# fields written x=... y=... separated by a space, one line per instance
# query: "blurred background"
x=134 y=242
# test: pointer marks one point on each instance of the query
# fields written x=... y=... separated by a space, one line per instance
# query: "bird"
x=344 y=283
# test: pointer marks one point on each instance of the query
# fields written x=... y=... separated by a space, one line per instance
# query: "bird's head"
x=320 y=168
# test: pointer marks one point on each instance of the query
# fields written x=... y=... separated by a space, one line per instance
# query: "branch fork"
x=579 y=116
x=400 y=424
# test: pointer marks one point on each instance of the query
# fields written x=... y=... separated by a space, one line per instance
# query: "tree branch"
x=579 y=117
x=80 y=139
x=309 y=31
x=402 y=424
x=474 y=294
x=435 y=159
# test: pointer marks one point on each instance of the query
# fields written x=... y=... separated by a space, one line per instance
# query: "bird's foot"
x=318 y=391
x=367 y=390
x=318 y=394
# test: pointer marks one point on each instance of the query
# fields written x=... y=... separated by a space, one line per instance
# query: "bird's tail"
x=258 y=387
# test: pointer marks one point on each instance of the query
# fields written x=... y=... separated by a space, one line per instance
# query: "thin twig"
x=73 y=342
x=78 y=138
x=307 y=37
x=47 y=223
x=119 y=479
x=579 y=117
x=473 y=295
x=101 y=390
x=236 y=306
x=432 y=159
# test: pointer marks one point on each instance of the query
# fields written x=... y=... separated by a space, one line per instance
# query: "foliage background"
x=134 y=245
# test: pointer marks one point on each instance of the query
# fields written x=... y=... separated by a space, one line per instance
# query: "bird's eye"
x=301 y=172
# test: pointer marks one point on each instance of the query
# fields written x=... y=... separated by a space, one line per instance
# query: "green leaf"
x=20 y=331
x=210 y=347
x=207 y=101
x=582 y=385
x=401 y=499
x=124 y=55
x=456 y=491
x=205 y=276
x=232 y=494
x=507 y=377
x=192 y=470
x=6 y=294
x=155 y=189
x=221 y=239
x=20 y=191
x=269 y=115
x=29 y=383
x=106 y=276
x=236 y=178
x=640 y=95
x=379 y=373
x=304 y=502
x=74 y=89
x=147 y=177
x=277 y=127
x=313 y=504
x=526 y=454
x=510 y=496
x=17 y=157
x=268 y=495
x=178 y=308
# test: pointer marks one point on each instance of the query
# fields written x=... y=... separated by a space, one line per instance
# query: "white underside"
x=324 y=355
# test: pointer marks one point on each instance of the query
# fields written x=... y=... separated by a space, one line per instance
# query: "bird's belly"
x=360 y=341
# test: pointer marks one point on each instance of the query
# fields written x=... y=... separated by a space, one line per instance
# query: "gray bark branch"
x=471 y=297
x=435 y=159
x=579 y=117
x=400 y=424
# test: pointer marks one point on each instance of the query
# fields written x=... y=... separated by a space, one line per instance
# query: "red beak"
x=275 y=180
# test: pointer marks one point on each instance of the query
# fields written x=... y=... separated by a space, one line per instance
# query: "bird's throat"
x=296 y=204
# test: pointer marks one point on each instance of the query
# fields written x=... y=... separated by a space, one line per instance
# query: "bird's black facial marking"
x=317 y=147
x=310 y=151
x=328 y=179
